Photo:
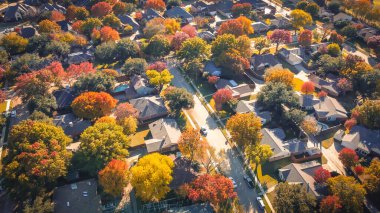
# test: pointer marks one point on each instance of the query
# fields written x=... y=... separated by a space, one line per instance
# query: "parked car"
x=233 y=182
x=260 y=202
x=13 y=114
x=204 y=130
x=248 y=180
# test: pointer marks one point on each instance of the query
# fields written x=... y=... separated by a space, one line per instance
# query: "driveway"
x=216 y=139
x=332 y=155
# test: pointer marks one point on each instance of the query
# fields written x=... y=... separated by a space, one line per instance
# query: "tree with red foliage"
x=321 y=175
x=232 y=26
x=350 y=123
x=212 y=79
x=280 y=37
x=77 y=26
x=305 y=38
x=155 y=4
x=307 y=88
x=92 y=105
x=348 y=157
x=330 y=204
x=241 y=9
x=336 y=38
x=125 y=110
x=233 y=62
x=178 y=39
x=345 y=85
x=158 y=66
x=221 y=96
x=56 y=69
x=56 y=16
x=108 y=34
x=359 y=170
x=114 y=177
x=101 y=9
x=322 y=94
x=74 y=71
x=190 y=30
x=215 y=189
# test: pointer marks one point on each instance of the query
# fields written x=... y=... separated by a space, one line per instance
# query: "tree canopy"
x=245 y=129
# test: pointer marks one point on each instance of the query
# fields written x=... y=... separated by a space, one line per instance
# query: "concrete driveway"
x=332 y=155
x=216 y=139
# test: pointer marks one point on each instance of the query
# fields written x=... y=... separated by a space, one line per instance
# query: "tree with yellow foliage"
x=247 y=24
x=151 y=176
x=159 y=79
x=172 y=25
x=245 y=129
x=192 y=145
x=276 y=74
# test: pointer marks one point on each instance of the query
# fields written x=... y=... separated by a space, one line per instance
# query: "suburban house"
x=306 y=102
x=18 y=12
x=27 y=31
x=280 y=22
x=260 y=27
x=292 y=56
x=138 y=87
x=274 y=138
x=79 y=57
x=302 y=173
x=199 y=7
x=223 y=8
x=365 y=141
x=64 y=98
x=342 y=17
x=165 y=133
x=329 y=109
x=251 y=106
x=52 y=7
x=73 y=147
x=366 y=33
x=71 y=124
x=151 y=14
x=260 y=63
x=329 y=85
x=238 y=90
x=149 y=108
x=179 y=12
x=79 y=196
x=128 y=20
x=206 y=35
x=65 y=25
x=211 y=68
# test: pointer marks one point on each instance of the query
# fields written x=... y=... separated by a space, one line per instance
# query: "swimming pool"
x=120 y=88
x=322 y=126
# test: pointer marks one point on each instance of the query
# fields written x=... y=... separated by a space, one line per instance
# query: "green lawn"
x=205 y=88
x=140 y=136
x=267 y=172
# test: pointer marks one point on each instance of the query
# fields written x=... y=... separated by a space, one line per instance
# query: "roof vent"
x=68 y=204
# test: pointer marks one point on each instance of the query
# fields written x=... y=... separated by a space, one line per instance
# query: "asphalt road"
x=216 y=139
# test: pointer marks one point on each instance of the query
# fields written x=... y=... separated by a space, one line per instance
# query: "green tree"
x=245 y=129
x=273 y=95
x=100 y=144
x=39 y=205
x=158 y=46
x=112 y=21
x=94 y=82
x=194 y=67
x=369 y=113
x=300 y=18
x=350 y=193
x=295 y=115
x=258 y=153
x=106 y=52
x=58 y=48
x=293 y=198
x=89 y=24
x=126 y=48
x=178 y=98
x=194 y=48
x=261 y=43
x=135 y=66
x=159 y=79
x=151 y=176
x=333 y=50
x=372 y=182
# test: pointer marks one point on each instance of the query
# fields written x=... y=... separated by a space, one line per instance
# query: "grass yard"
x=205 y=88
x=267 y=172
x=328 y=142
x=140 y=136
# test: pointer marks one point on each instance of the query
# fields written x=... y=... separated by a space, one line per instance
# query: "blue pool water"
x=120 y=88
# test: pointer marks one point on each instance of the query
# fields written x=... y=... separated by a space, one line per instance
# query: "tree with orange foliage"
x=101 y=9
x=308 y=88
x=108 y=34
x=171 y=25
x=350 y=123
x=216 y=189
x=155 y=4
x=91 y=105
x=47 y=26
x=247 y=24
x=275 y=74
x=191 y=145
x=125 y=110
x=114 y=177
x=232 y=26
x=77 y=26
x=221 y=96
x=330 y=204
x=190 y=30
x=74 y=71
x=56 y=16
x=212 y=79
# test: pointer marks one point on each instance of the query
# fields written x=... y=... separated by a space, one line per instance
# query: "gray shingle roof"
x=165 y=133
x=149 y=107
x=178 y=12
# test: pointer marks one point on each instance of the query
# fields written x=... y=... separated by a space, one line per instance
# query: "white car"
x=13 y=114
x=233 y=182
x=260 y=202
